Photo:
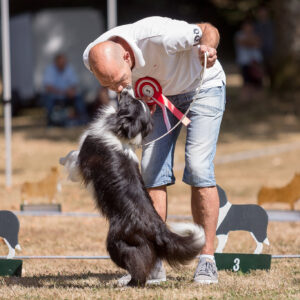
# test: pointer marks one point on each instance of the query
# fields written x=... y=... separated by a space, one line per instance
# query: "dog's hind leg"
x=141 y=261
x=138 y=260
x=137 y=268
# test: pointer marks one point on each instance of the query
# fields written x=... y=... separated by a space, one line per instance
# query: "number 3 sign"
x=240 y=262
x=236 y=265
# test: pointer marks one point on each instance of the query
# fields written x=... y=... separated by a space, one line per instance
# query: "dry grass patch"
x=36 y=149
x=97 y=280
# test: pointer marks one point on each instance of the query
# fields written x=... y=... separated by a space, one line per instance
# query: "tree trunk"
x=287 y=45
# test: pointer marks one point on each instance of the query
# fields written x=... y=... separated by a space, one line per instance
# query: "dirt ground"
x=36 y=149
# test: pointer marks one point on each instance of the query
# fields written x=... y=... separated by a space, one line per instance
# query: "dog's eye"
x=124 y=92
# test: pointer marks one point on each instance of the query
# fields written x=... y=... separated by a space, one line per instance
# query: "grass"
x=36 y=148
x=97 y=280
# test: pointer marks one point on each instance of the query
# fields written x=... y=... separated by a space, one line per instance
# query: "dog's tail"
x=180 y=243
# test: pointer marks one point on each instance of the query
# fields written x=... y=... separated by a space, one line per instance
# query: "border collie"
x=109 y=168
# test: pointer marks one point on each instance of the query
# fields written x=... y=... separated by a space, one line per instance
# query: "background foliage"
x=226 y=15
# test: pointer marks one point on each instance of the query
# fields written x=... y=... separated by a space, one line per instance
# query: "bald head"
x=110 y=63
x=105 y=57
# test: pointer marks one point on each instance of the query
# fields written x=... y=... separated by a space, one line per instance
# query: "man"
x=61 y=87
x=250 y=60
x=264 y=27
x=166 y=50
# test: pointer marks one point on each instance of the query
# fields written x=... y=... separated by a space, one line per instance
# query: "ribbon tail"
x=166 y=118
x=176 y=112
x=165 y=113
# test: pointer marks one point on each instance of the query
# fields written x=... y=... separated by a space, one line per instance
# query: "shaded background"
x=264 y=131
x=269 y=126
x=39 y=29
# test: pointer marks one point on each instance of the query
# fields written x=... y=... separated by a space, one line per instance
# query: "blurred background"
x=42 y=29
x=259 y=142
x=259 y=51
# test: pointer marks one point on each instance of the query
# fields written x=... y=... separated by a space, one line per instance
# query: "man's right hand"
x=211 y=55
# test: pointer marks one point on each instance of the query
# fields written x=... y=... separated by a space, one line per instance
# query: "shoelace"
x=205 y=268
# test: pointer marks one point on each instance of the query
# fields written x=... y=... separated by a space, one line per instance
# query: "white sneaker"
x=206 y=272
x=156 y=276
x=124 y=280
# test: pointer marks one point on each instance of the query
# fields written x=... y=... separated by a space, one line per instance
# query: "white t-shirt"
x=166 y=50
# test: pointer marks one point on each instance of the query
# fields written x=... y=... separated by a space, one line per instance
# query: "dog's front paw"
x=71 y=156
x=70 y=162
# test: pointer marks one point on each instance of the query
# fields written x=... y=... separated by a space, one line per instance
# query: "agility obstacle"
x=287 y=256
x=235 y=262
x=274 y=215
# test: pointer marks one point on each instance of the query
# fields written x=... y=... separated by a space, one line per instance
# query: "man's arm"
x=210 y=35
x=208 y=43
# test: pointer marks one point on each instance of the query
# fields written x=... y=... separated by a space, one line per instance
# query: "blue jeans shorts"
x=200 y=147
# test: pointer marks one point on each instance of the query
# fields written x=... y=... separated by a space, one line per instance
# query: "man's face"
x=117 y=79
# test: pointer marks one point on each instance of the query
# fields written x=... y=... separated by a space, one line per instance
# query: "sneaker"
x=156 y=276
x=206 y=272
x=124 y=280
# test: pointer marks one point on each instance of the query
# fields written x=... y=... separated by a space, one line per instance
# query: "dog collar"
x=149 y=87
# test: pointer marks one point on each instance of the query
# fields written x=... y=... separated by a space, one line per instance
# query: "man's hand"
x=152 y=107
x=208 y=43
x=211 y=55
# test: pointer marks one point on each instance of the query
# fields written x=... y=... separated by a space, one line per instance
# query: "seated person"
x=249 y=58
x=61 y=88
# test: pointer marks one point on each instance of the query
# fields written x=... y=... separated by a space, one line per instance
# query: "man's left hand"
x=211 y=55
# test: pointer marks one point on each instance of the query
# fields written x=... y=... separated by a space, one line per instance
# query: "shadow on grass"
x=80 y=281
x=63 y=281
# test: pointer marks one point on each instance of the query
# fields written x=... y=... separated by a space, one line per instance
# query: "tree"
x=287 y=44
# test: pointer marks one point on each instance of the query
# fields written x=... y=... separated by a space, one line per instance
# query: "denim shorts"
x=200 y=147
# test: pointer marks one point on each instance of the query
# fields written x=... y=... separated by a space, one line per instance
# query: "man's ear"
x=127 y=57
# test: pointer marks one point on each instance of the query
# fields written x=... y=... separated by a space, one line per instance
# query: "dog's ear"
x=133 y=117
x=127 y=117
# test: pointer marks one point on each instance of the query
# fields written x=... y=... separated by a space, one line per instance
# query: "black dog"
x=137 y=235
